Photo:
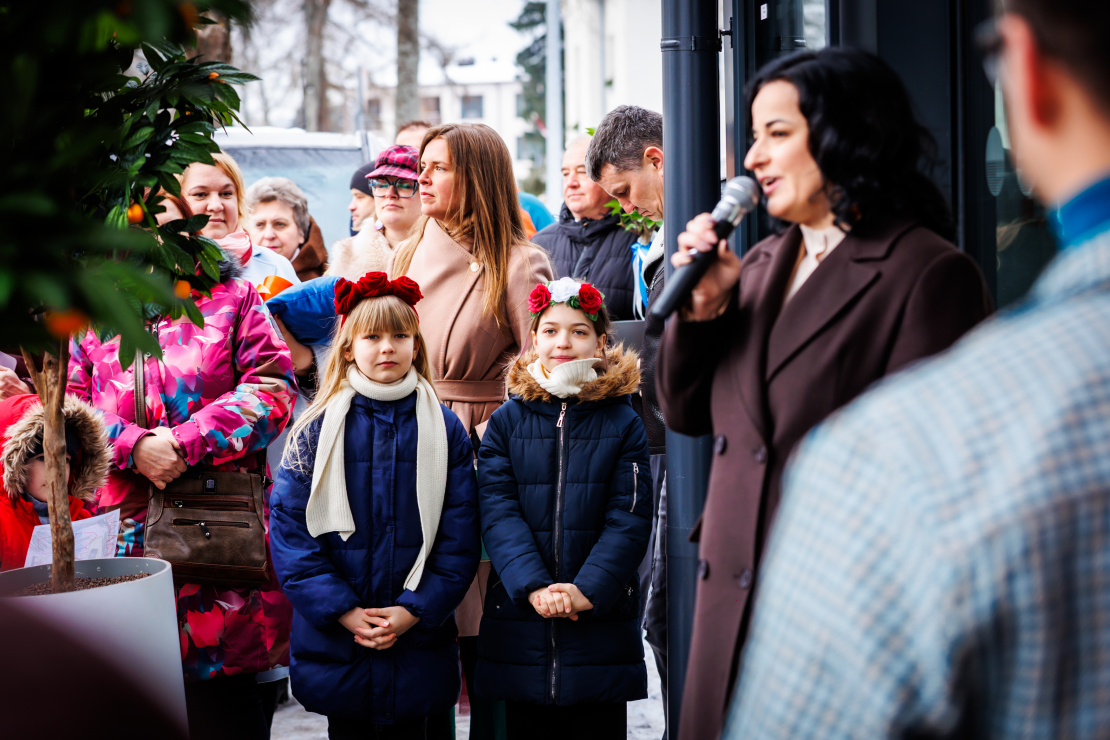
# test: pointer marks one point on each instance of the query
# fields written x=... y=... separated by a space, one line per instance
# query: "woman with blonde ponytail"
x=374 y=525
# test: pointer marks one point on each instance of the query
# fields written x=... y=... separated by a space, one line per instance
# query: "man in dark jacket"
x=625 y=157
x=587 y=242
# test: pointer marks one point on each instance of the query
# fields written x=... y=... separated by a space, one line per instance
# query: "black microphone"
x=740 y=198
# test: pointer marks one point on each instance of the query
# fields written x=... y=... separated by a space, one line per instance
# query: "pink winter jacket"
x=225 y=391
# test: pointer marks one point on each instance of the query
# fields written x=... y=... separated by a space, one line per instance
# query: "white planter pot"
x=132 y=625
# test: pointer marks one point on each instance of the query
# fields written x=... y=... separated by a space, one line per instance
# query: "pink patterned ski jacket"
x=225 y=391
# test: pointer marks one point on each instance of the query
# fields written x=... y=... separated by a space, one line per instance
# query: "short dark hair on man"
x=412 y=124
x=1074 y=33
x=621 y=139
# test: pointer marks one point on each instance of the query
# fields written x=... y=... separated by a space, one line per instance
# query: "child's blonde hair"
x=381 y=314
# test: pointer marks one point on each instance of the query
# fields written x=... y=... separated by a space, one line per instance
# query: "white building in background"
x=479 y=86
x=612 y=58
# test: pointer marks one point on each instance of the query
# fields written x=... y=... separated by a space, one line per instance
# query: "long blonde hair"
x=484 y=209
x=382 y=314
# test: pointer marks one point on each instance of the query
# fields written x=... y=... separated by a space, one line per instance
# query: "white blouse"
x=819 y=244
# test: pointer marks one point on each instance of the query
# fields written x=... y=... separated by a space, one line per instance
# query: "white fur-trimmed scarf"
x=328 y=509
x=567 y=379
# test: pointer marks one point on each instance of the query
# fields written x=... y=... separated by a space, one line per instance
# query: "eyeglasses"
x=381 y=186
x=990 y=44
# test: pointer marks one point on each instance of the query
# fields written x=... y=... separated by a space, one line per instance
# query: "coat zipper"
x=558 y=537
x=635 y=489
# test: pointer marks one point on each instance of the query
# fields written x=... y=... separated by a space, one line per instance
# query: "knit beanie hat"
x=359 y=181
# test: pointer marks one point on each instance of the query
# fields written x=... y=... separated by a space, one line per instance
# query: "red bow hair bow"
x=372 y=285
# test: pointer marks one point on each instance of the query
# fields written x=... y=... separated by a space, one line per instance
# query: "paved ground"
x=645 y=718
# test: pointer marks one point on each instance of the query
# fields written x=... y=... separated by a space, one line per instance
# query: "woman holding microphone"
x=859 y=281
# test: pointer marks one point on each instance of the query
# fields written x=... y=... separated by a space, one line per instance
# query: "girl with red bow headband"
x=348 y=295
x=373 y=524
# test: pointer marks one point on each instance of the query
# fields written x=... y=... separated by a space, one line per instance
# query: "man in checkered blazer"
x=941 y=562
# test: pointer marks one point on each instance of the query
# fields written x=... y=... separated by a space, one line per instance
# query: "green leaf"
x=196 y=223
x=193 y=312
x=117 y=217
x=28 y=204
x=138 y=137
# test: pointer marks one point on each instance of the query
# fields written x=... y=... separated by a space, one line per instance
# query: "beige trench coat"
x=468 y=351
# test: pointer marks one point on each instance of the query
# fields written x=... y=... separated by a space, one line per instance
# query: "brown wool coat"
x=762 y=375
x=468 y=351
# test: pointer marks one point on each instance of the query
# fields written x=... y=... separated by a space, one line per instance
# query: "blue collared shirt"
x=1083 y=217
x=940 y=565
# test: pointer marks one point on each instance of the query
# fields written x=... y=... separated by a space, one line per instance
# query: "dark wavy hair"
x=869 y=146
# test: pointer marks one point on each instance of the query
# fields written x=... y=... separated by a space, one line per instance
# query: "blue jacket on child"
x=324 y=577
x=567 y=476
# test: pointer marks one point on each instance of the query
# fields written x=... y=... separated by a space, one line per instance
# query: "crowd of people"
x=470 y=473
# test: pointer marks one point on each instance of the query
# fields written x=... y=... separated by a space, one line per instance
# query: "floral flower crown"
x=582 y=296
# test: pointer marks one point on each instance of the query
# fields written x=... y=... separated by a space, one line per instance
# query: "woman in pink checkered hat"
x=393 y=184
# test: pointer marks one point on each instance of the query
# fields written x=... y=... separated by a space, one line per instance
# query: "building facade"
x=611 y=58
x=473 y=89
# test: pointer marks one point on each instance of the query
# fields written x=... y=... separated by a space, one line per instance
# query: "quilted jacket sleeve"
x=453 y=561
x=308 y=578
x=122 y=434
x=254 y=413
x=508 y=538
x=624 y=539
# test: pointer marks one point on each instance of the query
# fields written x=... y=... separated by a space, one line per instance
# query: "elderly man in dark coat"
x=587 y=242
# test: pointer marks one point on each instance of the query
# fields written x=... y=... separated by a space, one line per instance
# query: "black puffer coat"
x=597 y=252
x=567 y=476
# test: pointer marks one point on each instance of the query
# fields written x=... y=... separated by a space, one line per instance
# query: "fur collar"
x=366 y=251
x=621 y=379
x=229 y=267
x=87 y=474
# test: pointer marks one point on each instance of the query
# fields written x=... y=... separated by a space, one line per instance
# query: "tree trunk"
x=408 y=61
x=315 y=79
x=51 y=385
x=213 y=41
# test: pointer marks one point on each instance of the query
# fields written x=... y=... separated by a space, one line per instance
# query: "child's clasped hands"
x=559 y=600
x=378 y=628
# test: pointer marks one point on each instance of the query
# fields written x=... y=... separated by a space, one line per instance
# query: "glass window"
x=472 y=106
x=429 y=109
x=1024 y=244
x=530 y=149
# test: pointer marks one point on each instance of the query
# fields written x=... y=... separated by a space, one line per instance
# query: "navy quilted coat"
x=565 y=496
x=324 y=577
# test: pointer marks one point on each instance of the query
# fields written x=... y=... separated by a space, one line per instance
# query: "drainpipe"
x=691 y=185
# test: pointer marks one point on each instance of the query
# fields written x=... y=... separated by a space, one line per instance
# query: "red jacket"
x=21 y=423
x=17 y=520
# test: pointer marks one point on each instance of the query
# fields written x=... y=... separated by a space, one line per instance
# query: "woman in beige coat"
x=475 y=268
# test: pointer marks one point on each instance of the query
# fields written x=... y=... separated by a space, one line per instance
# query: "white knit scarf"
x=566 y=379
x=329 y=510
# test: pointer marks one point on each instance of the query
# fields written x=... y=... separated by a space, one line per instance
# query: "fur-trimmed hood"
x=621 y=379
x=21 y=424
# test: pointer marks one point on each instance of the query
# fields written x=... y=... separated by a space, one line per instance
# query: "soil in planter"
x=79 y=584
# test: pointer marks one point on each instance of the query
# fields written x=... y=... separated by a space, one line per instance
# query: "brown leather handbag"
x=209 y=525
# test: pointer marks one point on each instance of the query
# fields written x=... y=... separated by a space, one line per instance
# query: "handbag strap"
x=139 y=372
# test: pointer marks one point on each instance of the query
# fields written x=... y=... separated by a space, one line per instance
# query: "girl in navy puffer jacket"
x=374 y=526
x=565 y=499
